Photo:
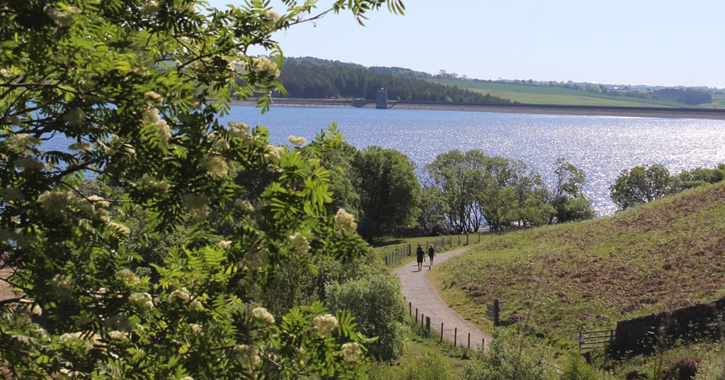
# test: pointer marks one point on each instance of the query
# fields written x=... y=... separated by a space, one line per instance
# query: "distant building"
x=381 y=102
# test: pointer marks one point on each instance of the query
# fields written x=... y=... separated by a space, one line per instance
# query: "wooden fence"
x=397 y=254
x=420 y=319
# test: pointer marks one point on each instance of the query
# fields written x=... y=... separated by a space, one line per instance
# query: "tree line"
x=330 y=81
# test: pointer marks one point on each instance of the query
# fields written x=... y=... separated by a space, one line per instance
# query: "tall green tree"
x=567 y=197
x=136 y=87
x=641 y=184
x=389 y=191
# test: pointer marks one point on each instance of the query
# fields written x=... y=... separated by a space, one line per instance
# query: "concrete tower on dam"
x=381 y=102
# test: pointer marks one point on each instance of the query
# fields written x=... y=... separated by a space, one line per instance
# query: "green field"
x=553 y=95
x=561 y=279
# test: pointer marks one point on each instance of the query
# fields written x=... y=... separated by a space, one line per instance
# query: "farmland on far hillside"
x=552 y=95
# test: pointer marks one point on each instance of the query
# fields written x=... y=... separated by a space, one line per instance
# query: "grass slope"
x=589 y=275
x=553 y=95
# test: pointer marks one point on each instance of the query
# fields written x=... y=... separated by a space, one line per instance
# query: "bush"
x=713 y=369
x=376 y=302
x=429 y=366
x=503 y=362
x=578 y=369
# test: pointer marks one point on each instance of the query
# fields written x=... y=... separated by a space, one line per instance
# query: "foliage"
x=428 y=366
x=132 y=91
x=503 y=361
x=578 y=369
x=350 y=81
x=641 y=184
x=432 y=217
x=567 y=198
x=712 y=369
x=374 y=298
x=685 y=96
x=688 y=179
x=389 y=191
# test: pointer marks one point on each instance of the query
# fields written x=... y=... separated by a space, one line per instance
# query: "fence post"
x=427 y=324
x=469 y=341
x=386 y=261
x=410 y=308
x=455 y=335
x=483 y=343
x=416 y=315
x=422 y=316
x=441 y=331
x=408 y=249
x=495 y=312
x=611 y=338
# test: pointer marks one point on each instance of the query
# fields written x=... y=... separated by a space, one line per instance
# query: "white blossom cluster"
x=155 y=184
x=196 y=205
x=215 y=167
x=237 y=130
x=119 y=336
x=263 y=65
x=150 y=8
x=80 y=146
x=218 y=141
x=237 y=65
x=127 y=277
x=324 y=324
x=275 y=152
x=154 y=96
x=247 y=355
x=351 y=351
x=296 y=140
x=184 y=296
x=75 y=117
x=244 y=205
x=225 y=244
x=262 y=314
x=62 y=18
x=152 y=116
x=141 y=300
x=119 y=229
x=23 y=142
x=86 y=340
x=299 y=242
x=61 y=285
x=345 y=220
x=196 y=329
x=271 y=16
x=98 y=201
x=55 y=203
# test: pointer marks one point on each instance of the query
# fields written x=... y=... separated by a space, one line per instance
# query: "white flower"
x=324 y=324
x=275 y=152
x=103 y=216
x=196 y=329
x=299 y=242
x=98 y=201
x=153 y=183
x=265 y=66
x=24 y=141
x=244 y=205
x=262 y=314
x=247 y=355
x=164 y=131
x=225 y=244
x=215 y=166
x=120 y=229
x=196 y=205
x=218 y=142
x=141 y=300
x=271 y=16
x=187 y=378
x=184 y=296
x=237 y=130
x=351 y=351
x=29 y=164
x=118 y=335
x=151 y=115
x=153 y=95
x=37 y=310
x=127 y=277
x=296 y=140
x=345 y=220
x=80 y=146
x=87 y=341
x=62 y=18
x=5 y=73
x=75 y=117
x=55 y=203
x=150 y=8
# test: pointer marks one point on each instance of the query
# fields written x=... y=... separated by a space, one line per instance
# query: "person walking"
x=431 y=253
x=420 y=254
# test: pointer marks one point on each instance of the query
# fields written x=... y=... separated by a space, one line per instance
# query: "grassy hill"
x=589 y=275
x=552 y=95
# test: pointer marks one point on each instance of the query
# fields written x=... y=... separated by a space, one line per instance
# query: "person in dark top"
x=431 y=253
x=419 y=253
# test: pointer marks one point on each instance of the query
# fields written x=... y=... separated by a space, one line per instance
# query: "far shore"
x=653 y=112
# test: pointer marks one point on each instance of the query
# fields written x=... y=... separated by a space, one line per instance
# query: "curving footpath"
x=418 y=290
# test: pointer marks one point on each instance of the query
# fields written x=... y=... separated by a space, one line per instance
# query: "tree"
x=135 y=88
x=641 y=184
x=567 y=197
x=389 y=191
x=432 y=217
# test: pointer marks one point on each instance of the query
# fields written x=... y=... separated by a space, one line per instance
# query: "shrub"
x=503 y=362
x=429 y=366
x=713 y=369
x=377 y=305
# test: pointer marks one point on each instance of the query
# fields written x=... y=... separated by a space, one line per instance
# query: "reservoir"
x=601 y=145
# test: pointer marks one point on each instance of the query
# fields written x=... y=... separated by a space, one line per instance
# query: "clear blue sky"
x=665 y=42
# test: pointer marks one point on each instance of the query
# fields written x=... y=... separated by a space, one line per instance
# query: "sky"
x=665 y=42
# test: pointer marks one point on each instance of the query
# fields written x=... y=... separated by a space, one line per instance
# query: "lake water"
x=601 y=145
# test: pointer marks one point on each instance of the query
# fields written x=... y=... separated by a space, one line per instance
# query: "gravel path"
x=418 y=290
